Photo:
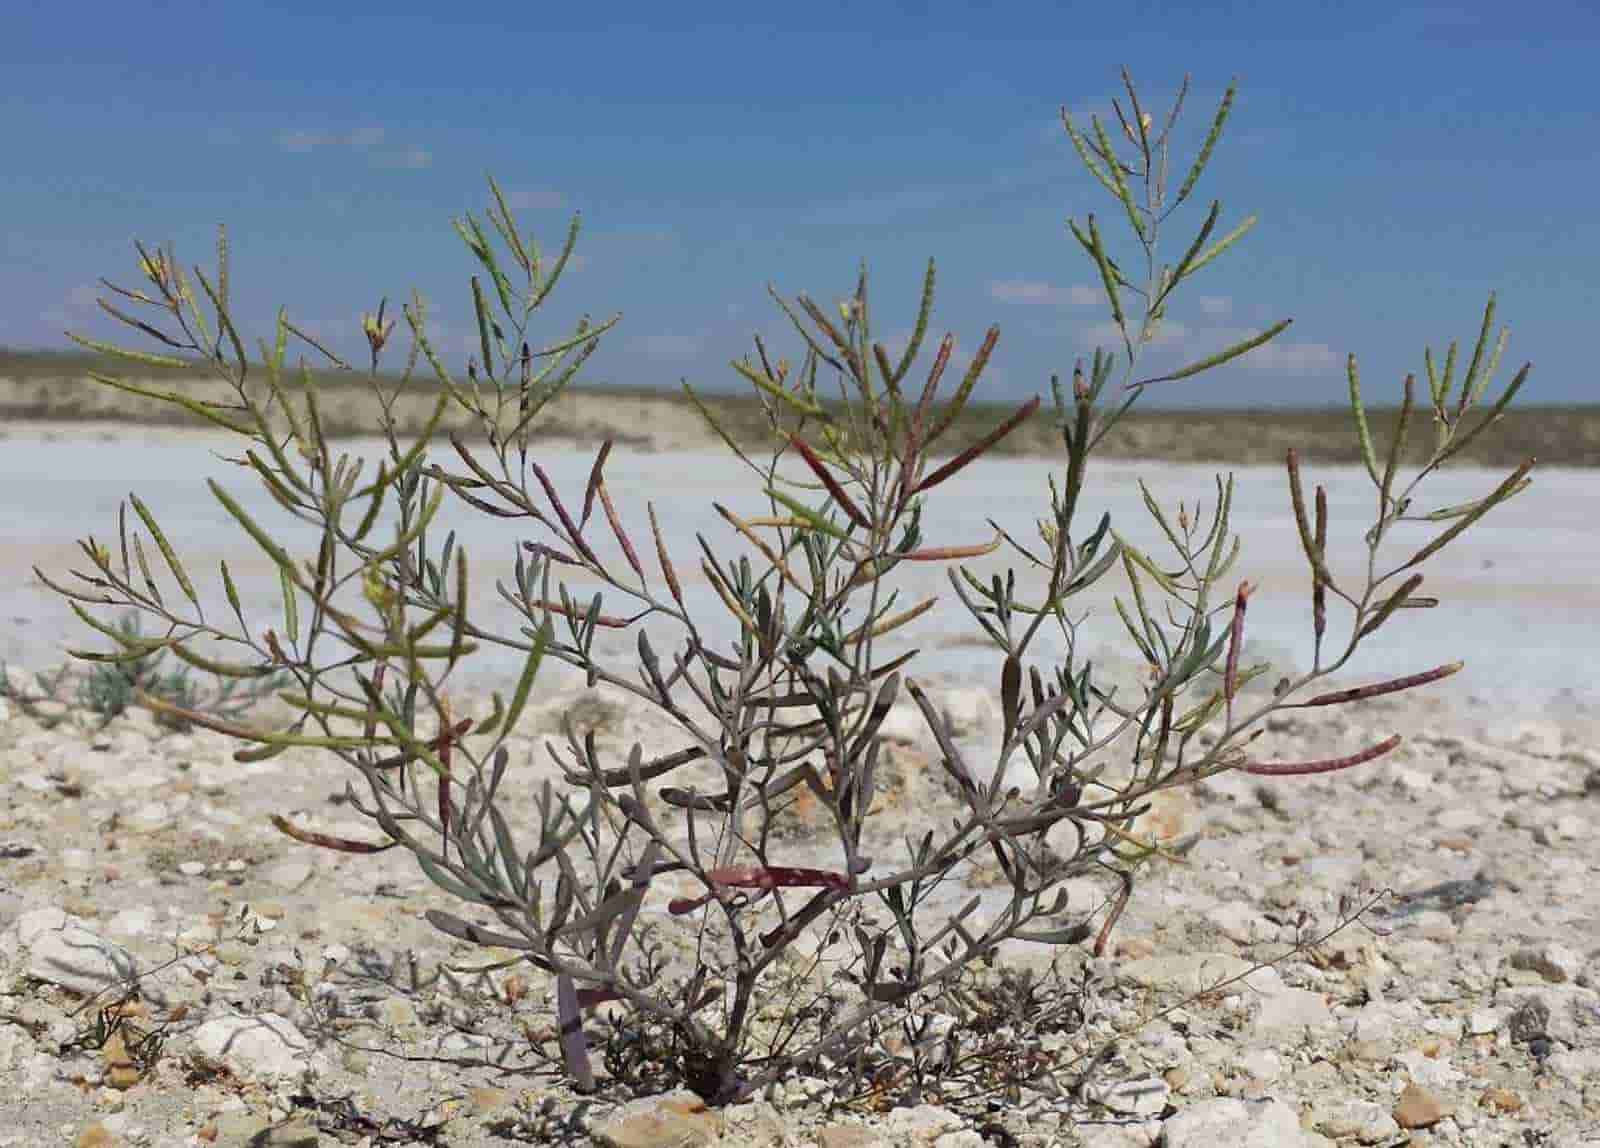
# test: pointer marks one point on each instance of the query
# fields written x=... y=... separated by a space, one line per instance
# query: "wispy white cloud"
x=880 y=207
x=1032 y=291
x=1108 y=334
x=361 y=139
x=366 y=141
x=1279 y=356
x=668 y=345
x=411 y=159
x=1292 y=358
x=70 y=311
x=534 y=199
x=961 y=352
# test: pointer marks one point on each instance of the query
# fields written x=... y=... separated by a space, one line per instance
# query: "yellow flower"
x=377 y=591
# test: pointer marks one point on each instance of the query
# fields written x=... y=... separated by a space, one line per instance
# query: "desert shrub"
x=379 y=615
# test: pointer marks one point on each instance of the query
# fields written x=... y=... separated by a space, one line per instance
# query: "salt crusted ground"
x=1464 y=1010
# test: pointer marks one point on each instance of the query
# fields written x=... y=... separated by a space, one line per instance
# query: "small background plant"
x=107 y=689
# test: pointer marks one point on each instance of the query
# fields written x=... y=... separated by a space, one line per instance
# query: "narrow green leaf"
x=231 y=591
x=144 y=571
x=1081 y=146
x=1445 y=513
x=530 y=670
x=458 y=630
x=222 y=669
x=1493 y=367
x=507 y=225
x=1205 y=149
x=1220 y=357
x=122 y=638
x=224 y=320
x=560 y=264
x=1119 y=183
x=1133 y=632
x=1182 y=270
x=813 y=518
x=1398 y=445
x=481 y=307
x=1140 y=559
x=1505 y=490
x=291 y=608
x=445 y=881
x=147 y=358
x=799 y=402
x=711 y=421
x=222 y=266
x=1359 y=412
x=1221 y=245
x=1469 y=384
x=1098 y=252
x=167 y=553
x=316 y=344
x=262 y=538
x=918 y=332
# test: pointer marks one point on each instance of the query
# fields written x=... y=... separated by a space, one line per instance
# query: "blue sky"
x=1404 y=160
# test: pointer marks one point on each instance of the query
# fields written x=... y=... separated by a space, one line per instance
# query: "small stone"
x=1483 y=1021
x=1292 y=1010
x=848 y=1136
x=135 y=921
x=678 y=1120
x=62 y=952
x=1361 y=1120
x=1501 y=1101
x=1240 y=923
x=1418 y=1108
x=96 y=1135
x=1567 y=1013
x=969 y=710
x=1530 y=1020
x=267 y=1048
x=121 y=1071
x=1552 y=960
x=1261 y=1064
x=288 y=875
x=396 y=1012
x=1196 y=972
x=920 y=1125
x=192 y=868
x=1539 y=738
x=1236 y=1123
x=296 y=1133
x=485 y=1100
x=1146 y=1097
x=1459 y=820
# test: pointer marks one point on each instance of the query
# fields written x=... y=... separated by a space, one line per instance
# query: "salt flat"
x=1519 y=594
